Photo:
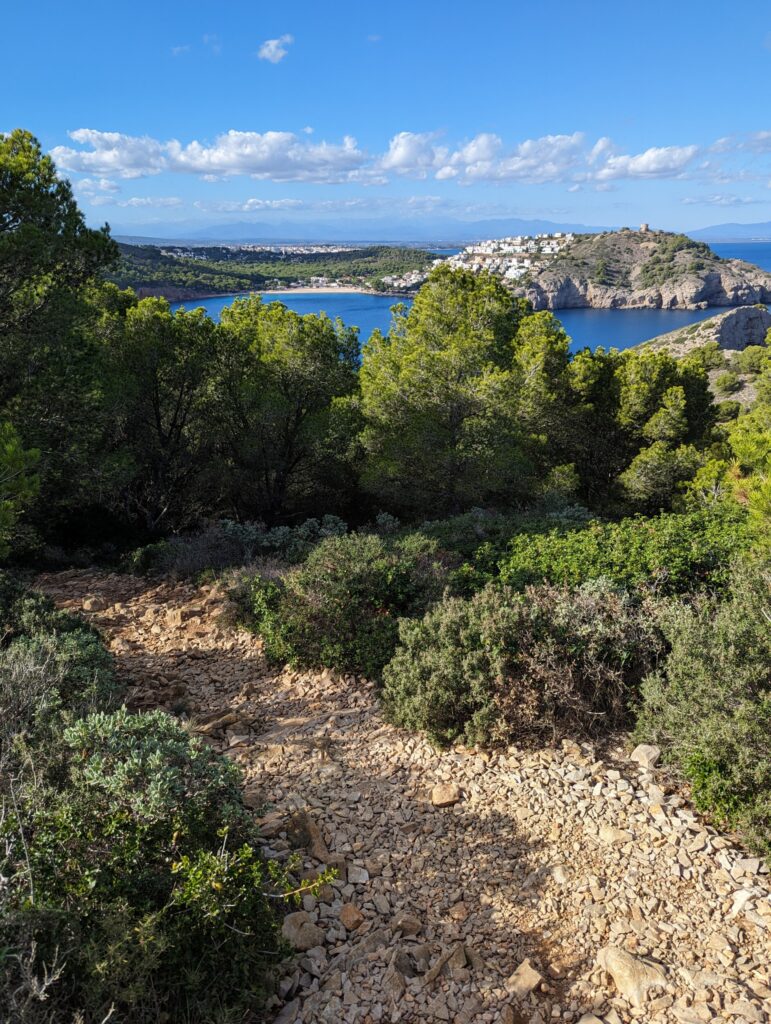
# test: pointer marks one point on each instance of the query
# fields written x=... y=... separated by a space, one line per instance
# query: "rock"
x=445 y=794
x=301 y=932
x=646 y=755
x=459 y=912
x=523 y=980
x=289 y=1013
x=351 y=917
x=407 y=924
x=614 y=836
x=589 y=1018
x=511 y=1016
x=735 y=329
x=632 y=976
x=394 y=984
x=356 y=875
x=94 y=604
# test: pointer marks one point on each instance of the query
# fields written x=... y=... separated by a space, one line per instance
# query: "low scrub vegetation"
x=671 y=554
x=709 y=702
x=131 y=878
x=527 y=667
x=341 y=607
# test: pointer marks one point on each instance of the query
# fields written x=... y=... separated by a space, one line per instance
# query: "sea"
x=588 y=328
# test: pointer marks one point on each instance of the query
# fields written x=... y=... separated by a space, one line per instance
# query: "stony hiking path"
x=546 y=886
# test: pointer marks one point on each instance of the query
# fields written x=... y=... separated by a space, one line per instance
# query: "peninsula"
x=617 y=270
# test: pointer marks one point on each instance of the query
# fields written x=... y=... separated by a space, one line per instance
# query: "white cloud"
x=656 y=162
x=125 y=156
x=249 y=205
x=274 y=50
x=94 y=186
x=279 y=156
x=412 y=153
x=177 y=51
x=284 y=156
x=720 y=199
x=137 y=201
x=214 y=43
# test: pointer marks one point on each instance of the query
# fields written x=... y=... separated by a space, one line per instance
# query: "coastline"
x=171 y=296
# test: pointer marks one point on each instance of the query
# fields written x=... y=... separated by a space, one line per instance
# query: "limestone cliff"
x=732 y=330
x=651 y=269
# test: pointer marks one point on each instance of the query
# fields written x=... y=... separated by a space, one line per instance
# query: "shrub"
x=339 y=609
x=224 y=544
x=130 y=877
x=53 y=667
x=726 y=383
x=670 y=553
x=524 y=667
x=727 y=411
x=709 y=704
x=751 y=360
x=144 y=869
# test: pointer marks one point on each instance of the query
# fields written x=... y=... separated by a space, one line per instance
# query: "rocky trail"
x=518 y=887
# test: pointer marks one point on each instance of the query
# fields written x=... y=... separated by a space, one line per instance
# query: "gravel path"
x=518 y=887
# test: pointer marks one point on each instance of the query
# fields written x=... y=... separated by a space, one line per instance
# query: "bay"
x=588 y=328
x=611 y=328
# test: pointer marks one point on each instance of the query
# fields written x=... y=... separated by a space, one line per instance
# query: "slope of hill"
x=733 y=330
x=643 y=269
x=179 y=273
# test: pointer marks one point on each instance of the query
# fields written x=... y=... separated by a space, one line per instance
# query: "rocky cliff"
x=651 y=269
x=732 y=330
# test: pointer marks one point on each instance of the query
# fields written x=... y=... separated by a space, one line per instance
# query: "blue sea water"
x=611 y=328
x=758 y=253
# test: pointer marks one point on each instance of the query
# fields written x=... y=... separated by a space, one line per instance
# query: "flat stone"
x=632 y=976
x=646 y=754
x=357 y=875
x=351 y=917
x=301 y=932
x=446 y=794
x=522 y=982
x=407 y=924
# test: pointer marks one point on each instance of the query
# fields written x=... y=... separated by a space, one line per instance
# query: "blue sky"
x=166 y=114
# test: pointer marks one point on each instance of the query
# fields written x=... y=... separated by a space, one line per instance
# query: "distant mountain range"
x=734 y=233
x=430 y=233
x=374 y=231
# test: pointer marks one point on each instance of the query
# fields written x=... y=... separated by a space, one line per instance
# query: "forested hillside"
x=177 y=272
x=514 y=544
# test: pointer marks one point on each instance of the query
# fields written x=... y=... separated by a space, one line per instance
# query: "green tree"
x=285 y=412
x=18 y=482
x=46 y=253
x=161 y=398
x=654 y=476
x=439 y=399
x=541 y=358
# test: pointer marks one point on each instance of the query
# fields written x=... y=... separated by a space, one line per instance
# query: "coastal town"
x=508 y=258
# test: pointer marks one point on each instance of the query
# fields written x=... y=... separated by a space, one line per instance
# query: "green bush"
x=130 y=876
x=726 y=383
x=504 y=666
x=340 y=608
x=709 y=704
x=53 y=667
x=751 y=360
x=143 y=867
x=727 y=411
x=671 y=553
x=224 y=544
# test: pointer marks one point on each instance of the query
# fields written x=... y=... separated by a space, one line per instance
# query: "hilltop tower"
x=644 y=229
